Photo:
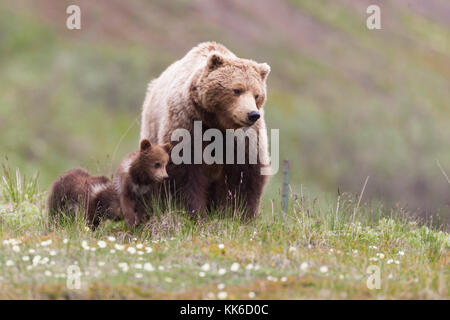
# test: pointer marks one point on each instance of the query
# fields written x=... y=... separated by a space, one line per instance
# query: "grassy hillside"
x=350 y=102
x=309 y=253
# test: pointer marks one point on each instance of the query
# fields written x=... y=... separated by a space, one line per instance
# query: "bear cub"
x=78 y=190
x=139 y=174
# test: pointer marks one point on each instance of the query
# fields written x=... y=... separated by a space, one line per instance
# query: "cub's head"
x=231 y=90
x=150 y=164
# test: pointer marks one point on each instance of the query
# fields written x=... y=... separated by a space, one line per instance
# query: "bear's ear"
x=167 y=147
x=264 y=70
x=215 y=61
x=145 y=145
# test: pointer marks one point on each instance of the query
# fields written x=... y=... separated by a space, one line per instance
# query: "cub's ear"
x=264 y=70
x=145 y=145
x=167 y=147
x=215 y=61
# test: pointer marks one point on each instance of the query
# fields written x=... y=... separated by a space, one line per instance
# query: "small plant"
x=16 y=187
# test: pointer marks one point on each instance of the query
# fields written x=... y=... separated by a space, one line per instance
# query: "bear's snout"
x=253 y=116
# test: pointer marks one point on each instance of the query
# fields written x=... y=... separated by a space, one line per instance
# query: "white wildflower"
x=222 y=271
x=101 y=244
x=148 y=249
x=124 y=266
x=85 y=245
x=36 y=260
x=148 y=267
x=304 y=266
x=234 y=267
x=206 y=267
x=46 y=243
x=222 y=295
x=324 y=269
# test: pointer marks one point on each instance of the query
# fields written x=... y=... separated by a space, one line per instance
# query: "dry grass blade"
x=443 y=171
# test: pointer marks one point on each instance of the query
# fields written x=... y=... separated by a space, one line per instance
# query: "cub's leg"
x=128 y=206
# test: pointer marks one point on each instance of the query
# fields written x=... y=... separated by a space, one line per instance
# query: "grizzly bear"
x=139 y=174
x=76 y=189
x=212 y=85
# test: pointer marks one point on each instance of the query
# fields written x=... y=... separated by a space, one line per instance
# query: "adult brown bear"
x=212 y=85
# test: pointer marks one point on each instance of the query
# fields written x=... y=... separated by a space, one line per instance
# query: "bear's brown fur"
x=78 y=190
x=212 y=85
x=139 y=174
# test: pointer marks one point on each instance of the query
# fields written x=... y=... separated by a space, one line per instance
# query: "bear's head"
x=150 y=164
x=230 y=92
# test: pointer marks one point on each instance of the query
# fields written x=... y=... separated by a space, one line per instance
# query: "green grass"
x=311 y=252
x=349 y=102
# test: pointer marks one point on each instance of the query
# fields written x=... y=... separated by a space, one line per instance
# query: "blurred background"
x=349 y=102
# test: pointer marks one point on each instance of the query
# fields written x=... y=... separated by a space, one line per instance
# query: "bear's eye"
x=157 y=165
x=237 y=91
x=256 y=96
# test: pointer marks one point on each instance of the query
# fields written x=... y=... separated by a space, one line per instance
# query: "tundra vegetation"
x=312 y=251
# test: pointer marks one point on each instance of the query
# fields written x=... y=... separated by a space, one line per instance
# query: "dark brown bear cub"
x=77 y=189
x=138 y=174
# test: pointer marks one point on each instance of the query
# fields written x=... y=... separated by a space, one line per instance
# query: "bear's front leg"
x=195 y=190
x=142 y=210
x=245 y=185
x=93 y=218
x=128 y=206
